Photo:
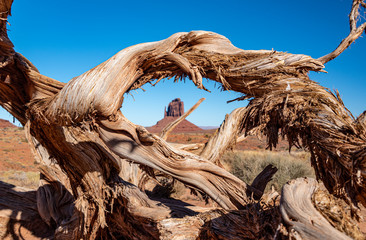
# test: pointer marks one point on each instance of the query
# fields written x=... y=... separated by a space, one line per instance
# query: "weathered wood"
x=241 y=138
x=188 y=147
x=299 y=213
x=225 y=137
x=79 y=135
x=144 y=148
x=260 y=182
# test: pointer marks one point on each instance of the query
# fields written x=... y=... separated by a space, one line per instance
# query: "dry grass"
x=246 y=165
x=20 y=178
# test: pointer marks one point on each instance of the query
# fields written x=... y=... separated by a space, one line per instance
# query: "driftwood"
x=94 y=159
x=301 y=215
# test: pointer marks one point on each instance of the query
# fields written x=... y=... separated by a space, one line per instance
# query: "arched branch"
x=283 y=98
x=355 y=32
x=99 y=92
x=81 y=128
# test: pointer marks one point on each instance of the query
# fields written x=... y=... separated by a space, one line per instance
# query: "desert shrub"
x=246 y=165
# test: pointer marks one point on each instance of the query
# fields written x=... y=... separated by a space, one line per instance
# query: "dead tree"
x=94 y=159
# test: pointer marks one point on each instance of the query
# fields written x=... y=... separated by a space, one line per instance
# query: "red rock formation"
x=175 y=108
x=6 y=124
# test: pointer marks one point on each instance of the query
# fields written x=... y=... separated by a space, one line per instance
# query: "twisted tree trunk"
x=94 y=159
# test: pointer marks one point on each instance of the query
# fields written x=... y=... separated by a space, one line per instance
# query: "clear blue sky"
x=63 y=39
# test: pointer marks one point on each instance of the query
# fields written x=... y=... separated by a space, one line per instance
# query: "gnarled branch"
x=355 y=32
x=304 y=220
x=79 y=127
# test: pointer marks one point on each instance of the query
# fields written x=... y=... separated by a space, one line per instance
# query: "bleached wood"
x=144 y=148
x=225 y=136
x=298 y=211
x=81 y=138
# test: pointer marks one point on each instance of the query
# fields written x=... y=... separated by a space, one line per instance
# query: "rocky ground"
x=17 y=165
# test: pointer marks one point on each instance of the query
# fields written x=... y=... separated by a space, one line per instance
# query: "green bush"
x=246 y=165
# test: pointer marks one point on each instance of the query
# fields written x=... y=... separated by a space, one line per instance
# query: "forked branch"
x=355 y=32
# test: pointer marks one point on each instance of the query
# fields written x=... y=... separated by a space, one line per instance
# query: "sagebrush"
x=246 y=165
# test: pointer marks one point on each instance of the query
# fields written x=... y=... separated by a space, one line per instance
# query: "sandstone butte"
x=6 y=124
x=174 y=111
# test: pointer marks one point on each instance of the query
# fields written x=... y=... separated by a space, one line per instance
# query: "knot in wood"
x=144 y=136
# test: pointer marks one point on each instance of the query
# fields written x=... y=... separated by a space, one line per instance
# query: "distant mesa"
x=174 y=111
x=6 y=124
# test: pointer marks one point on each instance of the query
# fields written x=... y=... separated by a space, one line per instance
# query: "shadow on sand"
x=18 y=209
